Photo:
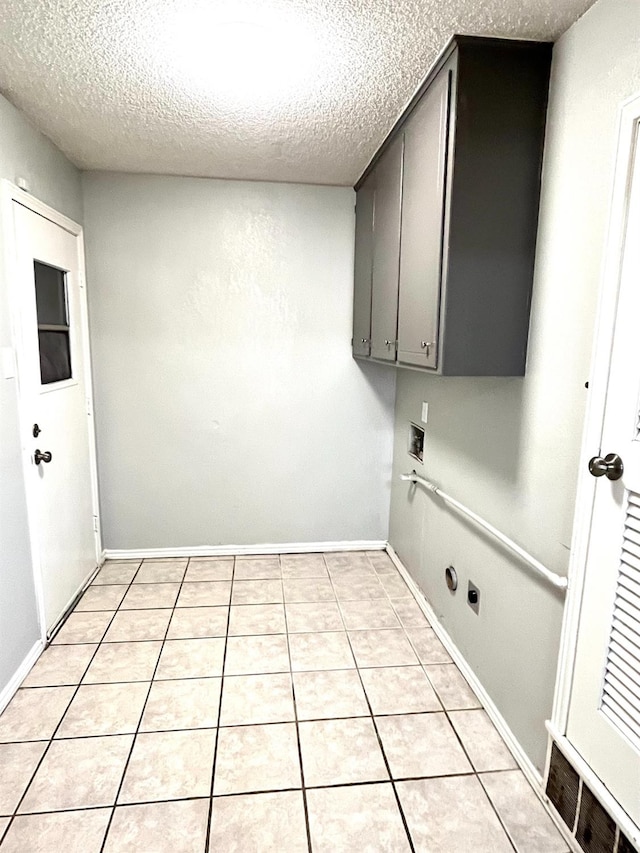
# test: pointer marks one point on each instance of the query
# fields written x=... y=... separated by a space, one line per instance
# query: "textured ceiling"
x=281 y=90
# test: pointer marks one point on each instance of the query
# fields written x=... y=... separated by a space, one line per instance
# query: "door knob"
x=39 y=457
x=610 y=467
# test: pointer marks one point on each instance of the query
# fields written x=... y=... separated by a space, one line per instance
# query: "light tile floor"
x=258 y=705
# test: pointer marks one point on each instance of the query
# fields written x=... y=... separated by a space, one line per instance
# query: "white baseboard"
x=232 y=550
x=8 y=691
x=526 y=765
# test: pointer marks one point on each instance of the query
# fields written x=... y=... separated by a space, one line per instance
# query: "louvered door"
x=604 y=712
x=621 y=683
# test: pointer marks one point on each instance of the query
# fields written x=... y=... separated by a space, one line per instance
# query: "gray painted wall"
x=228 y=407
x=26 y=153
x=509 y=449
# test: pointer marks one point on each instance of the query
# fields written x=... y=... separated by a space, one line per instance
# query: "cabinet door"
x=422 y=226
x=386 y=252
x=361 y=341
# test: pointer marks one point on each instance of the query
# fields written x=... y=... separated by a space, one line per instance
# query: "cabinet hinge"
x=89 y=410
x=95 y=523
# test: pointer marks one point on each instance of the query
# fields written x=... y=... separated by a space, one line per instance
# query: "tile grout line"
x=373 y=719
x=305 y=804
x=375 y=728
x=144 y=705
x=235 y=725
x=207 y=840
x=103 y=807
x=476 y=774
x=75 y=692
x=367 y=783
x=195 y=677
x=495 y=809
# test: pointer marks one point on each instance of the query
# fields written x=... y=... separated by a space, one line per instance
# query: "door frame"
x=628 y=127
x=12 y=194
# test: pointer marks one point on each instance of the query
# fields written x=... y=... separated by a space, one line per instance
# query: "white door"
x=55 y=406
x=604 y=710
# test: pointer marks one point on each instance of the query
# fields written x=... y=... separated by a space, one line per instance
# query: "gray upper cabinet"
x=363 y=268
x=386 y=252
x=469 y=150
x=425 y=147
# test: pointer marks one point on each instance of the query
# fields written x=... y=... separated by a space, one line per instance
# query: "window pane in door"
x=51 y=298
x=53 y=323
x=55 y=358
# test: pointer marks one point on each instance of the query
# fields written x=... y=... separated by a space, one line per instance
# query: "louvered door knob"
x=610 y=467
x=39 y=457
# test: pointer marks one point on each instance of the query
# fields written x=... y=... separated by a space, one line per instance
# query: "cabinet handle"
x=389 y=343
x=365 y=340
x=426 y=345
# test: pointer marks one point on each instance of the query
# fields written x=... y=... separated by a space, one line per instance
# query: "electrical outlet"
x=473 y=597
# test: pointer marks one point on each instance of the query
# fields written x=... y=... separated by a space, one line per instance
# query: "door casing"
x=628 y=124
x=10 y=195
